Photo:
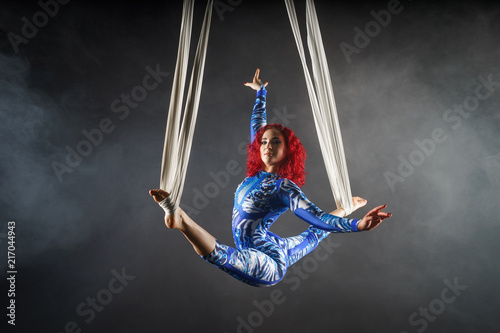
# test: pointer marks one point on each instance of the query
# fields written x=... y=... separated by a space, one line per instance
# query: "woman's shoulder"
x=287 y=185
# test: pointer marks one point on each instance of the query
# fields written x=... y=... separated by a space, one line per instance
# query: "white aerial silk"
x=323 y=105
x=179 y=137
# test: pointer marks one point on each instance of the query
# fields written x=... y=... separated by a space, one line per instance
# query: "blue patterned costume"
x=261 y=258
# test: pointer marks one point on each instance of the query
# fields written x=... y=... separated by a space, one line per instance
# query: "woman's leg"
x=299 y=246
x=251 y=266
x=203 y=242
x=262 y=266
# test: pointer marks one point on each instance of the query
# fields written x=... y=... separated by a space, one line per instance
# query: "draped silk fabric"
x=179 y=136
x=323 y=105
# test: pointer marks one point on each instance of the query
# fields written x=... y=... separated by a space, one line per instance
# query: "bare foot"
x=159 y=195
x=171 y=221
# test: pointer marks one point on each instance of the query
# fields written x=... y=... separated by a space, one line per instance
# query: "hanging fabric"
x=179 y=137
x=323 y=105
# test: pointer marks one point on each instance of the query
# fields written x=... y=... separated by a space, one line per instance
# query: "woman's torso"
x=256 y=207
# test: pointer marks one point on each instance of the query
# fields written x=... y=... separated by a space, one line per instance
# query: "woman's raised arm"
x=259 y=118
x=257 y=82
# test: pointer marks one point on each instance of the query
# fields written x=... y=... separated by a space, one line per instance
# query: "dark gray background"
x=71 y=234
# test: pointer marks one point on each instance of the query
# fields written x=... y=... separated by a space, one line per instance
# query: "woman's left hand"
x=373 y=218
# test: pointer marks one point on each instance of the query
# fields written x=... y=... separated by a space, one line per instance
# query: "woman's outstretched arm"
x=292 y=196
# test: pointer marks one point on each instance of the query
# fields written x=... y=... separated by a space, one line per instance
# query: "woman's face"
x=272 y=149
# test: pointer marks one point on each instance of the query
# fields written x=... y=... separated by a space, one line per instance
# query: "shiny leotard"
x=261 y=258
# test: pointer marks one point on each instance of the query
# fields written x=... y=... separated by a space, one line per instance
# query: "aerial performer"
x=275 y=174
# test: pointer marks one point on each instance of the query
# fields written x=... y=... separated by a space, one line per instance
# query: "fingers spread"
x=376 y=209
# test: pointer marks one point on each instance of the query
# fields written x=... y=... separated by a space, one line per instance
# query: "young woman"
x=275 y=170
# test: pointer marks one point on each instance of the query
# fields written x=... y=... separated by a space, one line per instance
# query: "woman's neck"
x=270 y=168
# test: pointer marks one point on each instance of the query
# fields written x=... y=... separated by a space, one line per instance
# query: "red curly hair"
x=293 y=165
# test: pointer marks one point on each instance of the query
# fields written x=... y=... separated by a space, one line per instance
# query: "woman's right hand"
x=256 y=83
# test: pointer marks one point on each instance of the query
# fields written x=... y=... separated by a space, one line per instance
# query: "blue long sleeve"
x=259 y=118
x=291 y=195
